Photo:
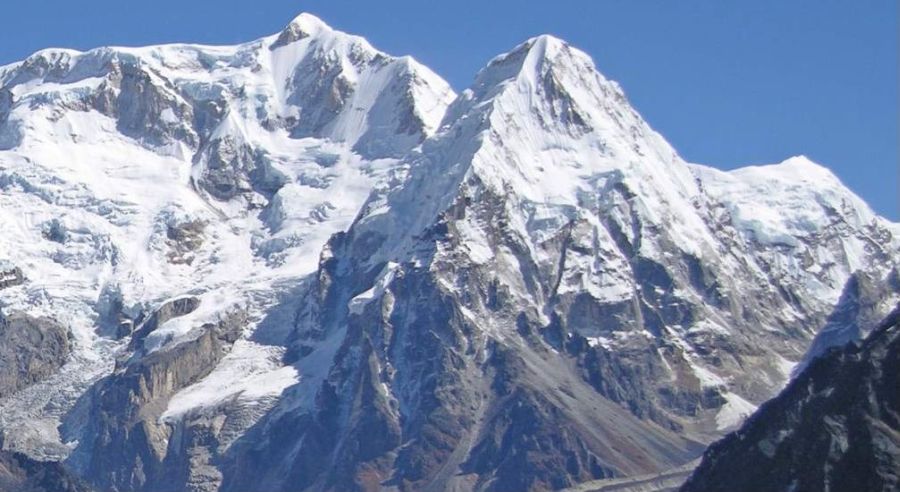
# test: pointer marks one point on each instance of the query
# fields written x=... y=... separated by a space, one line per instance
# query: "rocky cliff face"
x=22 y=474
x=121 y=442
x=302 y=264
x=31 y=349
x=835 y=427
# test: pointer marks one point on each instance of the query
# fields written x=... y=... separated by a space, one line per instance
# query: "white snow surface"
x=779 y=203
x=250 y=372
x=807 y=225
x=733 y=413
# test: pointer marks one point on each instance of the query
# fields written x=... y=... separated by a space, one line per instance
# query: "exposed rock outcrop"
x=31 y=349
x=834 y=428
x=10 y=275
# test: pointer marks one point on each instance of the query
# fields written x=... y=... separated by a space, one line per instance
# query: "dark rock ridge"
x=836 y=427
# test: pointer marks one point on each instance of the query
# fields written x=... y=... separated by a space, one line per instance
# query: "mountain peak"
x=804 y=168
x=529 y=61
x=309 y=23
x=543 y=46
x=796 y=169
x=303 y=26
x=546 y=87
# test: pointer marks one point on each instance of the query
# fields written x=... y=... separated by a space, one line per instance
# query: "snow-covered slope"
x=302 y=263
x=116 y=163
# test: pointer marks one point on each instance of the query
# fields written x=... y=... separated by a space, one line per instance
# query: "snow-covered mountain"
x=300 y=263
x=133 y=176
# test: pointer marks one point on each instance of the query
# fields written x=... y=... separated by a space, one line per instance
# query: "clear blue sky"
x=727 y=82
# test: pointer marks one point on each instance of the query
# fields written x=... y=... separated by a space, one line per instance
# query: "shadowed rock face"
x=122 y=443
x=19 y=473
x=31 y=349
x=858 y=310
x=6 y=100
x=835 y=427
